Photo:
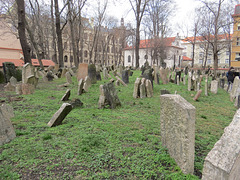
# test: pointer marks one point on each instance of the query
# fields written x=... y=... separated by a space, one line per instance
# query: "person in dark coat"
x=230 y=77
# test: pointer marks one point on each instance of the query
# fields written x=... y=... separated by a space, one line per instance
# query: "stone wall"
x=178 y=130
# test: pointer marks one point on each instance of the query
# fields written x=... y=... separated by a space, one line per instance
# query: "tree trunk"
x=137 y=42
x=59 y=35
x=21 y=32
x=53 y=35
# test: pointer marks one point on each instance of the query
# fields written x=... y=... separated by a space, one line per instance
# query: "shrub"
x=19 y=74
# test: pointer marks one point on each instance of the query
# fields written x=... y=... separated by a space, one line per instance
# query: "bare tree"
x=21 y=31
x=138 y=6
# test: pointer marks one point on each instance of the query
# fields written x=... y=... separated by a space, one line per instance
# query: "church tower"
x=235 y=55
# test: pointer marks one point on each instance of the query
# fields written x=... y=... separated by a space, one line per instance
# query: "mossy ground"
x=92 y=143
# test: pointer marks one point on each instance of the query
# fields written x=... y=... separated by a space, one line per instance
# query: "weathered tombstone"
x=98 y=76
x=149 y=88
x=27 y=72
x=92 y=73
x=7 y=132
x=82 y=71
x=68 y=77
x=66 y=95
x=9 y=70
x=76 y=103
x=87 y=84
x=189 y=81
x=105 y=73
x=108 y=96
x=197 y=95
x=50 y=76
x=125 y=76
x=142 y=88
x=59 y=116
x=32 y=80
x=148 y=75
x=184 y=79
x=235 y=87
x=80 y=87
x=136 y=91
x=214 y=86
x=178 y=130
x=163 y=75
x=206 y=86
x=178 y=80
x=13 y=81
x=223 y=161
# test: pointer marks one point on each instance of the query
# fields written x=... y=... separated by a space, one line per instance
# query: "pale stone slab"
x=136 y=91
x=223 y=161
x=68 y=77
x=80 y=87
x=87 y=84
x=206 y=86
x=235 y=88
x=214 y=86
x=59 y=116
x=13 y=81
x=27 y=71
x=189 y=81
x=149 y=88
x=178 y=130
x=7 y=132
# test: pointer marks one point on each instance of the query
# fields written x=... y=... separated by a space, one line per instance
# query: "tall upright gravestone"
x=92 y=73
x=178 y=130
x=223 y=161
x=82 y=71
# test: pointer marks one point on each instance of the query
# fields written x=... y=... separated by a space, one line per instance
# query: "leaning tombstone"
x=27 y=72
x=66 y=95
x=7 y=132
x=87 y=84
x=197 y=95
x=223 y=161
x=178 y=130
x=64 y=71
x=108 y=96
x=214 y=86
x=92 y=73
x=80 y=87
x=60 y=115
x=235 y=86
x=147 y=74
x=121 y=81
x=136 y=91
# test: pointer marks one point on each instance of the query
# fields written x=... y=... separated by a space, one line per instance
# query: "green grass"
x=92 y=143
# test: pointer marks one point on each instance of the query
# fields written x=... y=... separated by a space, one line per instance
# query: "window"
x=238 y=41
x=129 y=58
x=65 y=59
x=227 y=53
x=209 y=61
x=227 y=61
x=85 y=54
x=200 y=61
x=218 y=61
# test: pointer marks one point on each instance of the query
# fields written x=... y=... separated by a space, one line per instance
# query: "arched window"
x=129 y=58
x=65 y=58
x=86 y=54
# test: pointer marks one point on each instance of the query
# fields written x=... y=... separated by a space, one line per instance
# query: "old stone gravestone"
x=68 y=77
x=136 y=91
x=66 y=95
x=9 y=70
x=80 y=87
x=214 y=86
x=125 y=76
x=108 y=96
x=142 y=88
x=59 y=116
x=7 y=132
x=235 y=87
x=149 y=88
x=178 y=130
x=92 y=73
x=87 y=84
x=82 y=71
x=223 y=161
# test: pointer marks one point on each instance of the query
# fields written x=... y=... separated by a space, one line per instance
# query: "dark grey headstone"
x=66 y=95
x=9 y=70
x=92 y=73
x=98 y=76
x=125 y=76
x=148 y=75
x=164 y=91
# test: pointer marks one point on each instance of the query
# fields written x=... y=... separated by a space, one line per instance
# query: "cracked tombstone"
x=7 y=132
x=108 y=96
x=60 y=115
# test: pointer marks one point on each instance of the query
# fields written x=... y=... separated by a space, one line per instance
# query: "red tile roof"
x=19 y=62
x=149 y=43
x=185 y=58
